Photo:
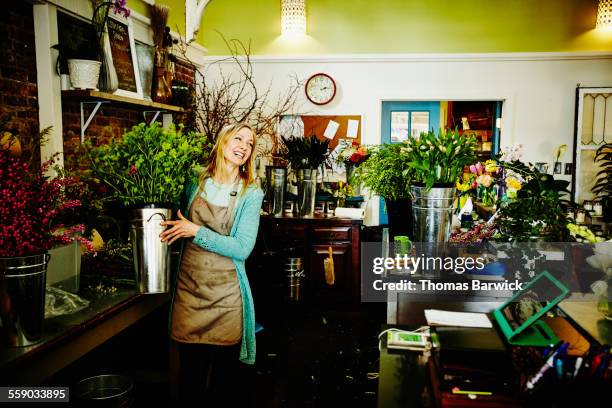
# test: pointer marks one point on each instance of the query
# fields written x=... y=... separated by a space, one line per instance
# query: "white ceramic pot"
x=84 y=74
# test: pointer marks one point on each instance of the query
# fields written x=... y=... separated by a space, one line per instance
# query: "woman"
x=212 y=316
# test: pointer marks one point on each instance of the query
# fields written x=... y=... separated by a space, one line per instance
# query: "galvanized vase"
x=151 y=256
x=432 y=213
x=22 y=293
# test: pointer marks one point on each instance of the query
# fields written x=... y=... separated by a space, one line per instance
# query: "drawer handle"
x=326 y=252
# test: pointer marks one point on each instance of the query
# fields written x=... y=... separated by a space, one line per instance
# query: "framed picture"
x=557 y=169
x=145 y=54
x=124 y=56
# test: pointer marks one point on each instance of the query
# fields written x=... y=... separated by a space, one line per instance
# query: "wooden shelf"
x=85 y=95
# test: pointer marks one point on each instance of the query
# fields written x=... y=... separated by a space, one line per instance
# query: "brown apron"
x=207 y=304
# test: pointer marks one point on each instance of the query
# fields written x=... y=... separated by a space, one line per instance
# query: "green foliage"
x=386 y=172
x=439 y=159
x=539 y=210
x=603 y=180
x=150 y=164
x=306 y=152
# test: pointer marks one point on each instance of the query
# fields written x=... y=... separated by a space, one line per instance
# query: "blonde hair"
x=216 y=162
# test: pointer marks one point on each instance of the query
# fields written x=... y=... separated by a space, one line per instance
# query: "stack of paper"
x=461 y=319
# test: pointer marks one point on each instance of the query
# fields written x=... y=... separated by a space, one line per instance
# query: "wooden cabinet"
x=309 y=238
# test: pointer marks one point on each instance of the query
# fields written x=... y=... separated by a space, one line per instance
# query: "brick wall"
x=184 y=71
x=18 y=90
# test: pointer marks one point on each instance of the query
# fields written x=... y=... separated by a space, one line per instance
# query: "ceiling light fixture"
x=604 y=14
x=293 y=18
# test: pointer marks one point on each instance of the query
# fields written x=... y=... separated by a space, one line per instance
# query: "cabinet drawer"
x=282 y=231
x=331 y=233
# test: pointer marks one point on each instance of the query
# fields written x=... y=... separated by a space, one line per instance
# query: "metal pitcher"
x=276 y=182
x=151 y=256
x=432 y=213
x=307 y=190
x=22 y=293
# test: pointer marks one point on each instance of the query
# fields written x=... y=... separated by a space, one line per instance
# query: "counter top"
x=66 y=338
x=581 y=308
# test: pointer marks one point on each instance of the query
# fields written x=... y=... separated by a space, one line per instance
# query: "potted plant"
x=539 y=210
x=436 y=163
x=146 y=171
x=31 y=205
x=305 y=155
x=91 y=67
x=386 y=173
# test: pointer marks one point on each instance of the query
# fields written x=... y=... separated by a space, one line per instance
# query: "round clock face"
x=320 y=89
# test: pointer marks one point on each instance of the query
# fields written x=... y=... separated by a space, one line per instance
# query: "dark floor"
x=308 y=355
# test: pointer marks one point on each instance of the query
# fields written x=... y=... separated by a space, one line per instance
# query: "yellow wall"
x=407 y=26
x=176 y=17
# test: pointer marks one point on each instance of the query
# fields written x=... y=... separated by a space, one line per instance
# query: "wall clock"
x=320 y=89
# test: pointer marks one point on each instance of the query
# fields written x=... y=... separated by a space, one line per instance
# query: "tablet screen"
x=530 y=302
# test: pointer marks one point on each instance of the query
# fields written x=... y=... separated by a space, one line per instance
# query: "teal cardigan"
x=237 y=246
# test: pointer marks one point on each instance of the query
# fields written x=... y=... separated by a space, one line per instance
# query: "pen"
x=577 y=366
x=551 y=348
x=548 y=364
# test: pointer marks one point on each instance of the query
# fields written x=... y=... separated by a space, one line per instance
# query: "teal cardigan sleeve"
x=239 y=245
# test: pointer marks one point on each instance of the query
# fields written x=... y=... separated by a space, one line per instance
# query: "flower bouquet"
x=31 y=207
x=486 y=176
x=340 y=191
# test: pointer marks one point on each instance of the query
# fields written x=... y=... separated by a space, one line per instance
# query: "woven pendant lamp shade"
x=604 y=14
x=293 y=17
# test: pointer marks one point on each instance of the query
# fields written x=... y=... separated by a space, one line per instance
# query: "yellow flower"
x=491 y=166
x=463 y=187
x=513 y=184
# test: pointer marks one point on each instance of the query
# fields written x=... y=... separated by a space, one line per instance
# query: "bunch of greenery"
x=603 y=180
x=150 y=165
x=306 y=152
x=439 y=159
x=386 y=172
x=539 y=210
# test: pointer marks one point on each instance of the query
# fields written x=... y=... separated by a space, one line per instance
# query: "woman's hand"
x=181 y=228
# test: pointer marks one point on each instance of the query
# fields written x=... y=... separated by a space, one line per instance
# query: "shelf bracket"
x=156 y=112
x=85 y=123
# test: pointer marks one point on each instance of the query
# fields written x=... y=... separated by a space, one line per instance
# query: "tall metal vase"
x=307 y=189
x=432 y=213
x=151 y=256
x=22 y=293
x=109 y=81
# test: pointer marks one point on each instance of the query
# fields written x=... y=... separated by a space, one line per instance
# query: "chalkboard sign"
x=124 y=57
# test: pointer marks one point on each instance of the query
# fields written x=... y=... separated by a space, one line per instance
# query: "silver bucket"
x=432 y=213
x=22 y=294
x=151 y=256
x=276 y=182
x=109 y=390
x=307 y=190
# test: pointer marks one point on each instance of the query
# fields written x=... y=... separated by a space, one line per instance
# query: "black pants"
x=213 y=375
